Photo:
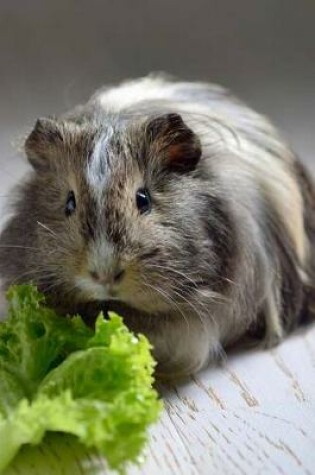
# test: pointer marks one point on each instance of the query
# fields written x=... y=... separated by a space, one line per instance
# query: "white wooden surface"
x=255 y=414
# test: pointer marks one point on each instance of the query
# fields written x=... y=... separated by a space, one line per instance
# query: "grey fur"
x=218 y=257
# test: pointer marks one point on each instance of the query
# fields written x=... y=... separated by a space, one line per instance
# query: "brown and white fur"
x=227 y=249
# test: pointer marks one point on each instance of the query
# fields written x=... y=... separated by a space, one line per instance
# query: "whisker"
x=13 y=246
x=196 y=311
x=47 y=228
x=171 y=300
x=38 y=275
x=71 y=290
x=56 y=283
x=175 y=271
x=181 y=285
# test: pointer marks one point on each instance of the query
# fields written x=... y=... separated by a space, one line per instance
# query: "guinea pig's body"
x=174 y=204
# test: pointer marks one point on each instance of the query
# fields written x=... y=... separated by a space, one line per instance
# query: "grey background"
x=54 y=54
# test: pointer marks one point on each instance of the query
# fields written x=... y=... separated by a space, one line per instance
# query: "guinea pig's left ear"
x=41 y=144
x=174 y=144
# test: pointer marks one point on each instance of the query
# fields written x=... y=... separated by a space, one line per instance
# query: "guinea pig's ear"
x=176 y=146
x=41 y=144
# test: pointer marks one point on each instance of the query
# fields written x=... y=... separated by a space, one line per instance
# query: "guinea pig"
x=174 y=204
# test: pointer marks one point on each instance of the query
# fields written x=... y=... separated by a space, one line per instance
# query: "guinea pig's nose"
x=107 y=278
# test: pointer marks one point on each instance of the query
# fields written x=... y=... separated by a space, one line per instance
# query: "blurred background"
x=54 y=54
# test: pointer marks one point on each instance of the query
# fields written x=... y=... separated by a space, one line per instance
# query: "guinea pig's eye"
x=143 y=200
x=70 y=204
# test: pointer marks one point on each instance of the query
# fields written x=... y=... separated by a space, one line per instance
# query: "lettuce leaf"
x=56 y=374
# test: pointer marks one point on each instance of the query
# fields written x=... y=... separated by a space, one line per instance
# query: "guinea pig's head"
x=119 y=212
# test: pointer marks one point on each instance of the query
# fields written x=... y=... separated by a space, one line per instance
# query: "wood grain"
x=254 y=415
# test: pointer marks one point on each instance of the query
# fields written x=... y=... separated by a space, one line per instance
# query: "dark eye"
x=143 y=201
x=70 y=204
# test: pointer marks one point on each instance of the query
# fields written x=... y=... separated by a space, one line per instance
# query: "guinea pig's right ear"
x=41 y=144
x=176 y=147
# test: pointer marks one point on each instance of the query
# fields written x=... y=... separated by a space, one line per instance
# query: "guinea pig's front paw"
x=272 y=338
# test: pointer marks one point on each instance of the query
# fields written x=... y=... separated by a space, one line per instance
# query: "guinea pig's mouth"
x=90 y=290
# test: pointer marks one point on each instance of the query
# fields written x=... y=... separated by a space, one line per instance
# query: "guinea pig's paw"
x=272 y=338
